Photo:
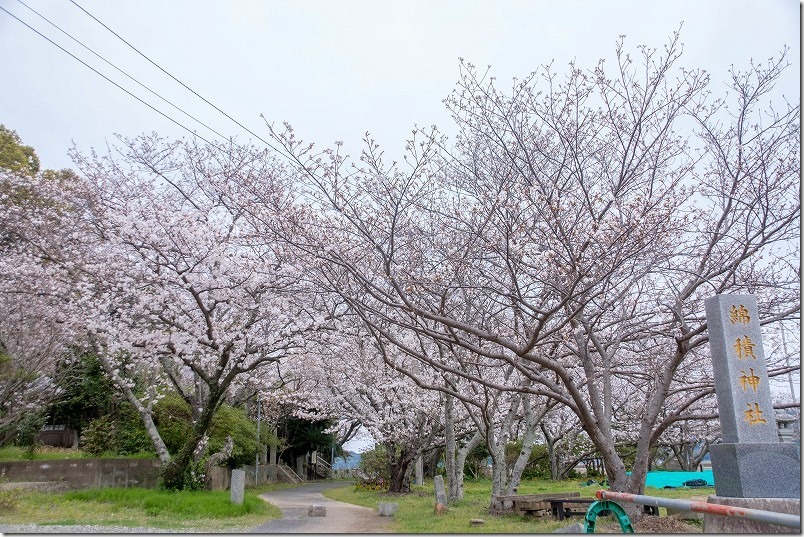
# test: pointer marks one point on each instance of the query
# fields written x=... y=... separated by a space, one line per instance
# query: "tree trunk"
x=174 y=474
x=528 y=440
x=144 y=411
x=550 y=441
x=450 y=450
x=400 y=468
x=463 y=453
x=499 y=468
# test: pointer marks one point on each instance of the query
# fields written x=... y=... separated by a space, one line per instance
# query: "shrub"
x=232 y=421
x=195 y=475
x=98 y=436
x=538 y=464
x=372 y=485
x=174 y=421
x=375 y=469
x=122 y=434
x=27 y=430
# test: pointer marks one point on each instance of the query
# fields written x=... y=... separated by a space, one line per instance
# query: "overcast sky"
x=333 y=69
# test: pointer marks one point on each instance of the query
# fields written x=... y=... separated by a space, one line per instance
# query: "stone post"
x=440 y=494
x=419 y=470
x=750 y=465
x=238 y=486
x=272 y=460
x=300 y=460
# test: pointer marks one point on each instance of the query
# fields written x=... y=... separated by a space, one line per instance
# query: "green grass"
x=196 y=511
x=416 y=510
x=14 y=453
x=189 y=504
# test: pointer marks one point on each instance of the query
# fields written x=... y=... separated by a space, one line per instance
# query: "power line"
x=121 y=71
x=177 y=80
x=101 y=74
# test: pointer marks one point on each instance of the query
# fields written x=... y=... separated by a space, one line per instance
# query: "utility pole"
x=787 y=363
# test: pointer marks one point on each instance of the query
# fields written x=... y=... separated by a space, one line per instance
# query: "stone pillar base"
x=723 y=524
x=757 y=470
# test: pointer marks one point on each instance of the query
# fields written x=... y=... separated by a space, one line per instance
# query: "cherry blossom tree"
x=170 y=287
x=587 y=217
x=347 y=379
x=36 y=333
x=192 y=294
x=32 y=346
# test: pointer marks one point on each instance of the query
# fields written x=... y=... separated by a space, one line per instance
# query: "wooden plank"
x=535 y=502
x=514 y=497
x=571 y=508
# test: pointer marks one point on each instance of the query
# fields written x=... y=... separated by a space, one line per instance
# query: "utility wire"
x=177 y=80
x=123 y=72
x=101 y=74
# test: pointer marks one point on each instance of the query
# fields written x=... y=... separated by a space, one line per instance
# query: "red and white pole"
x=780 y=519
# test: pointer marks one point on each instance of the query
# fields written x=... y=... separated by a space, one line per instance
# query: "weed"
x=8 y=500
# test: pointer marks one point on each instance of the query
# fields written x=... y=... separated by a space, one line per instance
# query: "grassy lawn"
x=197 y=512
x=416 y=510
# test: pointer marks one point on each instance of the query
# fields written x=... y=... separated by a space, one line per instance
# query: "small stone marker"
x=751 y=462
x=440 y=494
x=237 y=486
x=387 y=508
x=477 y=522
x=317 y=510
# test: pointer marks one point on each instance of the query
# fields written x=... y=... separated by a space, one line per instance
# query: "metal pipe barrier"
x=780 y=519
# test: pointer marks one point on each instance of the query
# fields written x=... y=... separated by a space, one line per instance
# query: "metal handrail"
x=321 y=463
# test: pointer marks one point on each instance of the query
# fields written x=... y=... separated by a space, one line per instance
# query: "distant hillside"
x=351 y=461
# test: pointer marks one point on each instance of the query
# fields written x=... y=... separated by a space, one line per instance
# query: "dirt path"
x=341 y=517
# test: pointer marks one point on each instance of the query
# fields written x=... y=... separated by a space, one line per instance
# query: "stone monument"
x=750 y=463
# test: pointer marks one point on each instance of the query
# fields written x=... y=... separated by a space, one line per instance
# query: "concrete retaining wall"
x=85 y=473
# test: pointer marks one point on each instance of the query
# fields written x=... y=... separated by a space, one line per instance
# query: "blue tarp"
x=660 y=480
